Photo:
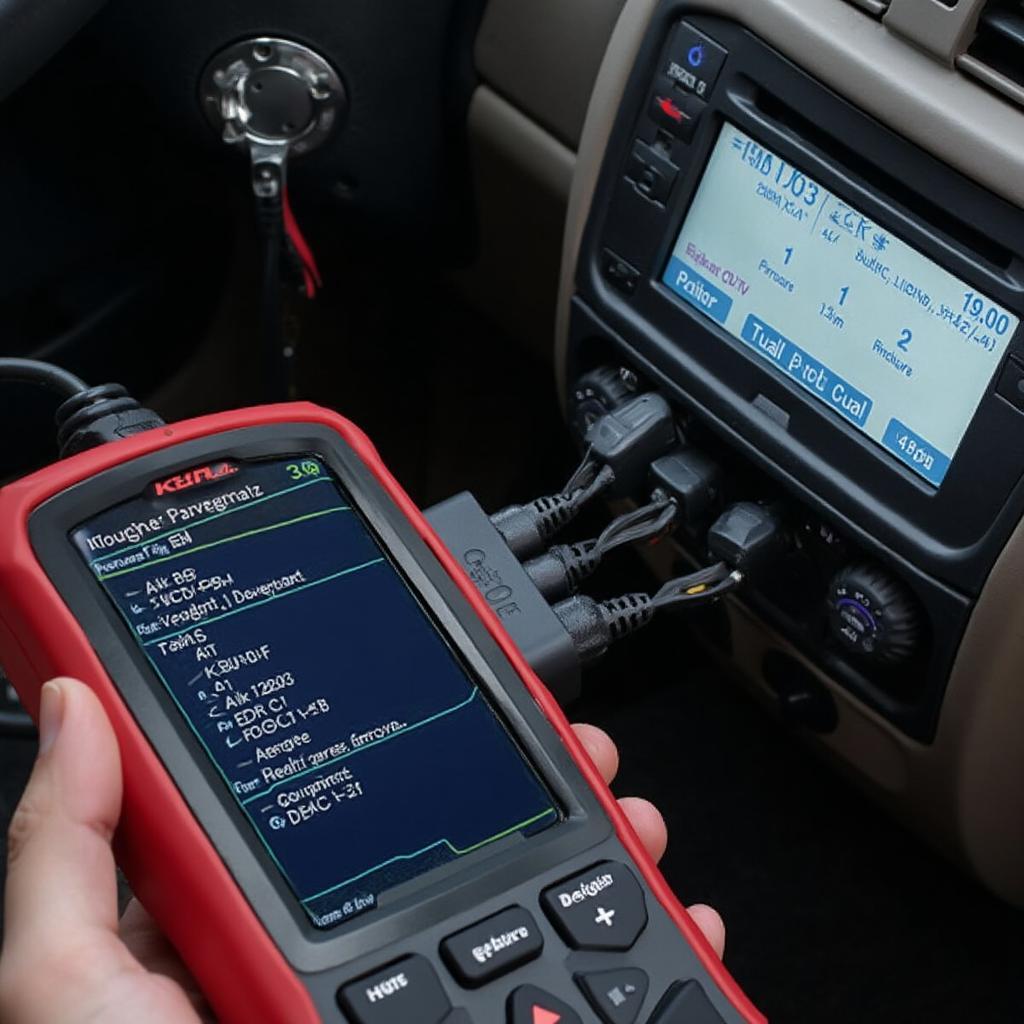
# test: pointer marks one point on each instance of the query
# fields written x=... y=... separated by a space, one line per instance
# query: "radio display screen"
x=870 y=327
x=352 y=737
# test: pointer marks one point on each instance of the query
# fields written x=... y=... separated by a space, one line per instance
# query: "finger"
x=601 y=749
x=648 y=824
x=710 y=922
x=61 y=895
x=60 y=873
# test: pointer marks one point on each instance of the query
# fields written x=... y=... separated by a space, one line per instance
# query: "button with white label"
x=532 y=1005
x=407 y=990
x=616 y=995
x=493 y=947
x=601 y=908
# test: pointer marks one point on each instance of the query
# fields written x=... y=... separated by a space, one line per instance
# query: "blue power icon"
x=696 y=56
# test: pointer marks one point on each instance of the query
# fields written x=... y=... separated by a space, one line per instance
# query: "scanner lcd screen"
x=352 y=737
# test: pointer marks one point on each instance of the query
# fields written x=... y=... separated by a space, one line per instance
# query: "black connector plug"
x=98 y=415
x=528 y=528
x=497 y=573
x=749 y=538
x=692 y=480
x=595 y=625
x=629 y=438
x=622 y=445
x=557 y=639
x=88 y=417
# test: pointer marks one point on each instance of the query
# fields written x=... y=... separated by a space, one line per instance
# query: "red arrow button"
x=542 y=1016
x=669 y=109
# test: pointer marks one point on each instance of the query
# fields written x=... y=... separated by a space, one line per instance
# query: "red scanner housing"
x=171 y=863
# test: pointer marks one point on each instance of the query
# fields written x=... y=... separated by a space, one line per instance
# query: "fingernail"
x=51 y=715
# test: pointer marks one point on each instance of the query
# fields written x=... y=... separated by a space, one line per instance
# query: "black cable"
x=45 y=375
x=595 y=625
x=87 y=416
x=275 y=364
x=649 y=522
x=701 y=587
x=526 y=529
x=583 y=475
x=562 y=568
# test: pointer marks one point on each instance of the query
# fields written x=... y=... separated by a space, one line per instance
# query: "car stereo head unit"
x=842 y=336
x=863 y=322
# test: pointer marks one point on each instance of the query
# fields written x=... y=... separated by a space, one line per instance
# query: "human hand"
x=66 y=958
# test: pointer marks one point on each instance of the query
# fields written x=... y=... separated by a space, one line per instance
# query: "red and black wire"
x=299 y=249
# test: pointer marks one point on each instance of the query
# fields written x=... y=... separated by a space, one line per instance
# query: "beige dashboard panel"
x=544 y=55
x=965 y=792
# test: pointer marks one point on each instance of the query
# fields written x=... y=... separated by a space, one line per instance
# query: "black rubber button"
x=493 y=947
x=602 y=908
x=406 y=990
x=616 y=995
x=619 y=272
x=532 y=1005
x=685 y=1003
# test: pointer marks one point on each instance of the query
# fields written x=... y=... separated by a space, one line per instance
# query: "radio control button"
x=616 y=995
x=621 y=274
x=532 y=1005
x=674 y=111
x=493 y=947
x=406 y=990
x=694 y=61
x=602 y=908
x=652 y=174
x=685 y=1003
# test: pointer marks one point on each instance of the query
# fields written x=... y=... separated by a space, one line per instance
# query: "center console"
x=835 y=314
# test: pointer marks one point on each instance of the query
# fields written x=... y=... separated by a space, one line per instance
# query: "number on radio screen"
x=991 y=316
x=917 y=455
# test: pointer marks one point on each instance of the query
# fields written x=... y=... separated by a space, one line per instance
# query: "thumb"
x=61 y=892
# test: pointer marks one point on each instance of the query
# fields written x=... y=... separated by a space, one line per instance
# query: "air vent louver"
x=996 y=57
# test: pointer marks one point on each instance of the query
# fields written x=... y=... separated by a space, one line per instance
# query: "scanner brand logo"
x=193 y=478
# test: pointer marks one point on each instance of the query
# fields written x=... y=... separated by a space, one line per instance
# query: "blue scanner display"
x=884 y=337
x=349 y=733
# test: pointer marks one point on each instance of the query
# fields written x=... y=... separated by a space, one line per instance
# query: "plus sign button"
x=600 y=908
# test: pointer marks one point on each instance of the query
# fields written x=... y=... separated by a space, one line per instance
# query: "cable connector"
x=98 y=415
x=623 y=443
x=629 y=438
x=693 y=480
x=748 y=537
x=527 y=529
x=595 y=625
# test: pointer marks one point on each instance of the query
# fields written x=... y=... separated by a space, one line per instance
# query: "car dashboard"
x=800 y=221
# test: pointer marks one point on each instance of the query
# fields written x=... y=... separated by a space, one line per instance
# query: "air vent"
x=875 y=7
x=996 y=57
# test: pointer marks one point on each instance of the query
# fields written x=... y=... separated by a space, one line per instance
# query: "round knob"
x=873 y=615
